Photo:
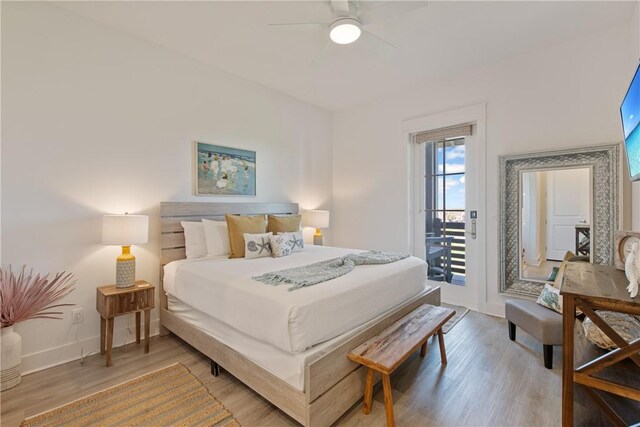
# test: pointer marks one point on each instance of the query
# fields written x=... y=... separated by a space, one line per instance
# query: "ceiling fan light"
x=345 y=31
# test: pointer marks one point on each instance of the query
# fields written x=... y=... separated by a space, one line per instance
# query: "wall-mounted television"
x=630 y=112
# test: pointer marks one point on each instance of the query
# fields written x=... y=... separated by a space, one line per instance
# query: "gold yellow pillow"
x=283 y=224
x=238 y=225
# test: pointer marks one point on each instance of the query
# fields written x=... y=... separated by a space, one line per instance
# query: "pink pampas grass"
x=25 y=297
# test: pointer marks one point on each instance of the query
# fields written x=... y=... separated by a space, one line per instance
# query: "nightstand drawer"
x=126 y=303
x=112 y=301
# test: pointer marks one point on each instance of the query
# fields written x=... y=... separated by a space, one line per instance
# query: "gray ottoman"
x=543 y=324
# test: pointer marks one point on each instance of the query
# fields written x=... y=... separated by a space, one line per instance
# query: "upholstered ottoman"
x=543 y=324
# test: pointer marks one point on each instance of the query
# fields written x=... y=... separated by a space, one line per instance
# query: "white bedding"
x=292 y=321
x=287 y=366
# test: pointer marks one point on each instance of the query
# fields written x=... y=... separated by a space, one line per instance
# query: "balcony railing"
x=457 y=231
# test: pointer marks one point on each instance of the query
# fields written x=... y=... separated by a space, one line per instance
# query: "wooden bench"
x=387 y=350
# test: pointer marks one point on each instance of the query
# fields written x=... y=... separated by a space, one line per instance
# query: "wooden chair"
x=438 y=256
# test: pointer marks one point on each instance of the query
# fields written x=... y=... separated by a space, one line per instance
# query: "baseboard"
x=51 y=357
x=493 y=309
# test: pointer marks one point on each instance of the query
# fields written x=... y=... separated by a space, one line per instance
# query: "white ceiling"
x=441 y=38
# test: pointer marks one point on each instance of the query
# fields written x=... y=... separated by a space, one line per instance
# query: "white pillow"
x=257 y=245
x=294 y=240
x=216 y=236
x=194 y=242
x=279 y=246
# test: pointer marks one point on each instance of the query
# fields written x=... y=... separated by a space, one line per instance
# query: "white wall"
x=567 y=95
x=96 y=121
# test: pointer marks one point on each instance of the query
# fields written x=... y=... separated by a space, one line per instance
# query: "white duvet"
x=292 y=321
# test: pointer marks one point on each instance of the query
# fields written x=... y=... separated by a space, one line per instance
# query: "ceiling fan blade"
x=377 y=45
x=321 y=55
x=389 y=11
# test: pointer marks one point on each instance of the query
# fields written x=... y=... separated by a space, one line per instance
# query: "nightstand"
x=112 y=302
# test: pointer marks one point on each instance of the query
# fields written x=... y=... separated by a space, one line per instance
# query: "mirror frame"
x=604 y=161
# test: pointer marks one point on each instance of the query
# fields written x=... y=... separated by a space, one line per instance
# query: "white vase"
x=10 y=358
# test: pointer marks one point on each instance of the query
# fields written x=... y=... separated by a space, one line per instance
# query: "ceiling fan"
x=351 y=19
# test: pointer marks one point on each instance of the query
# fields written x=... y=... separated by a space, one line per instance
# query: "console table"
x=591 y=287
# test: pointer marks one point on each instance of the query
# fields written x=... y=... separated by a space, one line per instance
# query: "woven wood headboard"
x=171 y=213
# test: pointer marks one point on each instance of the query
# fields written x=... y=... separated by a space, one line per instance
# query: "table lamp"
x=317 y=219
x=125 y=230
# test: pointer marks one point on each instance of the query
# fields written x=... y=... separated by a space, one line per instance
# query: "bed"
x=292 y=348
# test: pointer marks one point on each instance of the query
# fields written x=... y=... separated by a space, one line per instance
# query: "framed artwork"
x=224 y=171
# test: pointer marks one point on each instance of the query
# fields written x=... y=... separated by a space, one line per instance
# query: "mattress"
x=292 y=321
x=289 y=367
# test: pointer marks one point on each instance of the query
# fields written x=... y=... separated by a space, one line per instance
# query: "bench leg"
x=423 y=349
x=547 y=350
x=512 y=331
x=388 y=400
x=443 y=351
x=368 y=392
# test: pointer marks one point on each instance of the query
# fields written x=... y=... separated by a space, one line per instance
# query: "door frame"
x=475 y=114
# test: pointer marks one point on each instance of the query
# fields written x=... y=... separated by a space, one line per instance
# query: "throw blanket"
x=323 y=271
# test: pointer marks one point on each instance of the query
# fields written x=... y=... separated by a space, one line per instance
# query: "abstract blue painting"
x=224 y=171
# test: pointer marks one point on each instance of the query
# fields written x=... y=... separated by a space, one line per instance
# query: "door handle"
x=473 y=229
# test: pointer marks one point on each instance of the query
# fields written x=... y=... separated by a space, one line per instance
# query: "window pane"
x=440 y=193
x=434 y=223
x=454 y=156
x=454 y=185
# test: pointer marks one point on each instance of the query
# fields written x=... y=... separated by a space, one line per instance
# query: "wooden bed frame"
x=332 y=383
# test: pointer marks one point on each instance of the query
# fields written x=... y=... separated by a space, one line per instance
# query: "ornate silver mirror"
x=551 y=203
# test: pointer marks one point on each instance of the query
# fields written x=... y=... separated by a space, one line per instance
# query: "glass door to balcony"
x=444 y=208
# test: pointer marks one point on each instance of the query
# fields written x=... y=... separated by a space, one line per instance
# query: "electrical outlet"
x=77 y=315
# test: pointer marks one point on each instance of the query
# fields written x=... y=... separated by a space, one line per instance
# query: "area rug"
x=460 y=313
x=169 y=396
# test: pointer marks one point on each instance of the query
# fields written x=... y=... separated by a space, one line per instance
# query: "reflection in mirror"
x=555 y=217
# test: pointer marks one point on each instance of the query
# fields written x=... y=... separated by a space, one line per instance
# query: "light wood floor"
x=489 y=381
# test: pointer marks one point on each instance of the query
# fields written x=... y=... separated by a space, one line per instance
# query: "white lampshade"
x=315 y=218
x=125 y=230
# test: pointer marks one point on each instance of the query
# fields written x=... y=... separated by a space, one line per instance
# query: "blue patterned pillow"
x=550 y=298
x=279 y=246
x=294 y=240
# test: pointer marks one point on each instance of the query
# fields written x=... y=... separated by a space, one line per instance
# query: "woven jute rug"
x=460 y=313
x=171 y=396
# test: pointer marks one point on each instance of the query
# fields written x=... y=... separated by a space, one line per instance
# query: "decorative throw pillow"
x=279 y=246
x=554 y=273
x=216 y=235
x=257 y=245
x=628 y=327
x=238 y=225
x=283 y=223
x=194 y=239
x=294 y=240
x=550 y=298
